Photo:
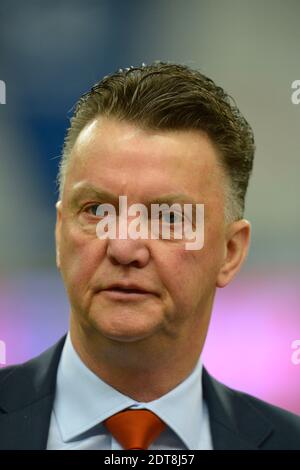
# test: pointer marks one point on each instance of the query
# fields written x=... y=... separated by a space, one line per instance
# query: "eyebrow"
x=101 y=194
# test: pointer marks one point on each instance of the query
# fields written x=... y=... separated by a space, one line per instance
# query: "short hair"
x=168 y=96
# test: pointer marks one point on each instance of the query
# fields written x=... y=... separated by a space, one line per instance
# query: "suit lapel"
x=235 y=422
x=26 y=399
x=26 y=428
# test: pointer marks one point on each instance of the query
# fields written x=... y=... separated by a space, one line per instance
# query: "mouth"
x=126 y=293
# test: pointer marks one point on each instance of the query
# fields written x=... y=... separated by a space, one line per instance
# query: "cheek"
x=190 y=276
x=180 y=272
x=81 y=254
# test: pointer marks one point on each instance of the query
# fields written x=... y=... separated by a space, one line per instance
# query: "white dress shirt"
x=83 y=401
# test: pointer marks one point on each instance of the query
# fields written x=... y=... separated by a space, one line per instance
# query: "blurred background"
x=53 y=51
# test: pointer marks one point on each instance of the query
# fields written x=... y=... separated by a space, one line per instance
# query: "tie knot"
x=135 y=429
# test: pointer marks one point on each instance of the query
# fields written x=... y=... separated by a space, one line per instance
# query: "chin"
x=124 y=330
x=125 y=338
x=125 y=335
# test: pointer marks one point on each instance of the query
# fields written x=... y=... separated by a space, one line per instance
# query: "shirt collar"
x=83 y=400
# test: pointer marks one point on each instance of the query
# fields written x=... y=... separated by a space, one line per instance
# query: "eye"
x=92 y=209
x=172 y=218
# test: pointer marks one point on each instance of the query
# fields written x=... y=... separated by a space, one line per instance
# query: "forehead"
x=125 y=159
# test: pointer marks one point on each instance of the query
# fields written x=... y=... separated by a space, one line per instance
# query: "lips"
x=128 y=288
x=127 y=291
x=117 y=293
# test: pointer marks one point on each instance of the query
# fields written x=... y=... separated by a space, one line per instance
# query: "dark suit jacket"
x=238 y=421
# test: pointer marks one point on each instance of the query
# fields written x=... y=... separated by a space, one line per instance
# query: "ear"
x=58 y=206
x=236 y=249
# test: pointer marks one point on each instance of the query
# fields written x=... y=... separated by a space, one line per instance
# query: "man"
x=129 y=373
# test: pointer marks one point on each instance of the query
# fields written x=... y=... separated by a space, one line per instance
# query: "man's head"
x=148 y=133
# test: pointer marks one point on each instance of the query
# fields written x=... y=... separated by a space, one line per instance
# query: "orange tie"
x=135 y=429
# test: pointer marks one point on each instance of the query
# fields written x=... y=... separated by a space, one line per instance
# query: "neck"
x=141 y=370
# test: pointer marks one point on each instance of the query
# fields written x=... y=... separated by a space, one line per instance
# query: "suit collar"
x=235 y=422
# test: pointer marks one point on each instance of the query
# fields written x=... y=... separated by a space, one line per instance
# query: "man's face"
x=122 y=159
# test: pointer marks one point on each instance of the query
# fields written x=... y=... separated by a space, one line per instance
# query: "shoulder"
x=266 y=426
x=23 y=383
x=279 y=417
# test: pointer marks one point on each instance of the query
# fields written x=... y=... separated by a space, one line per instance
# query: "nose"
x=123 y=248
x=128 y=252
